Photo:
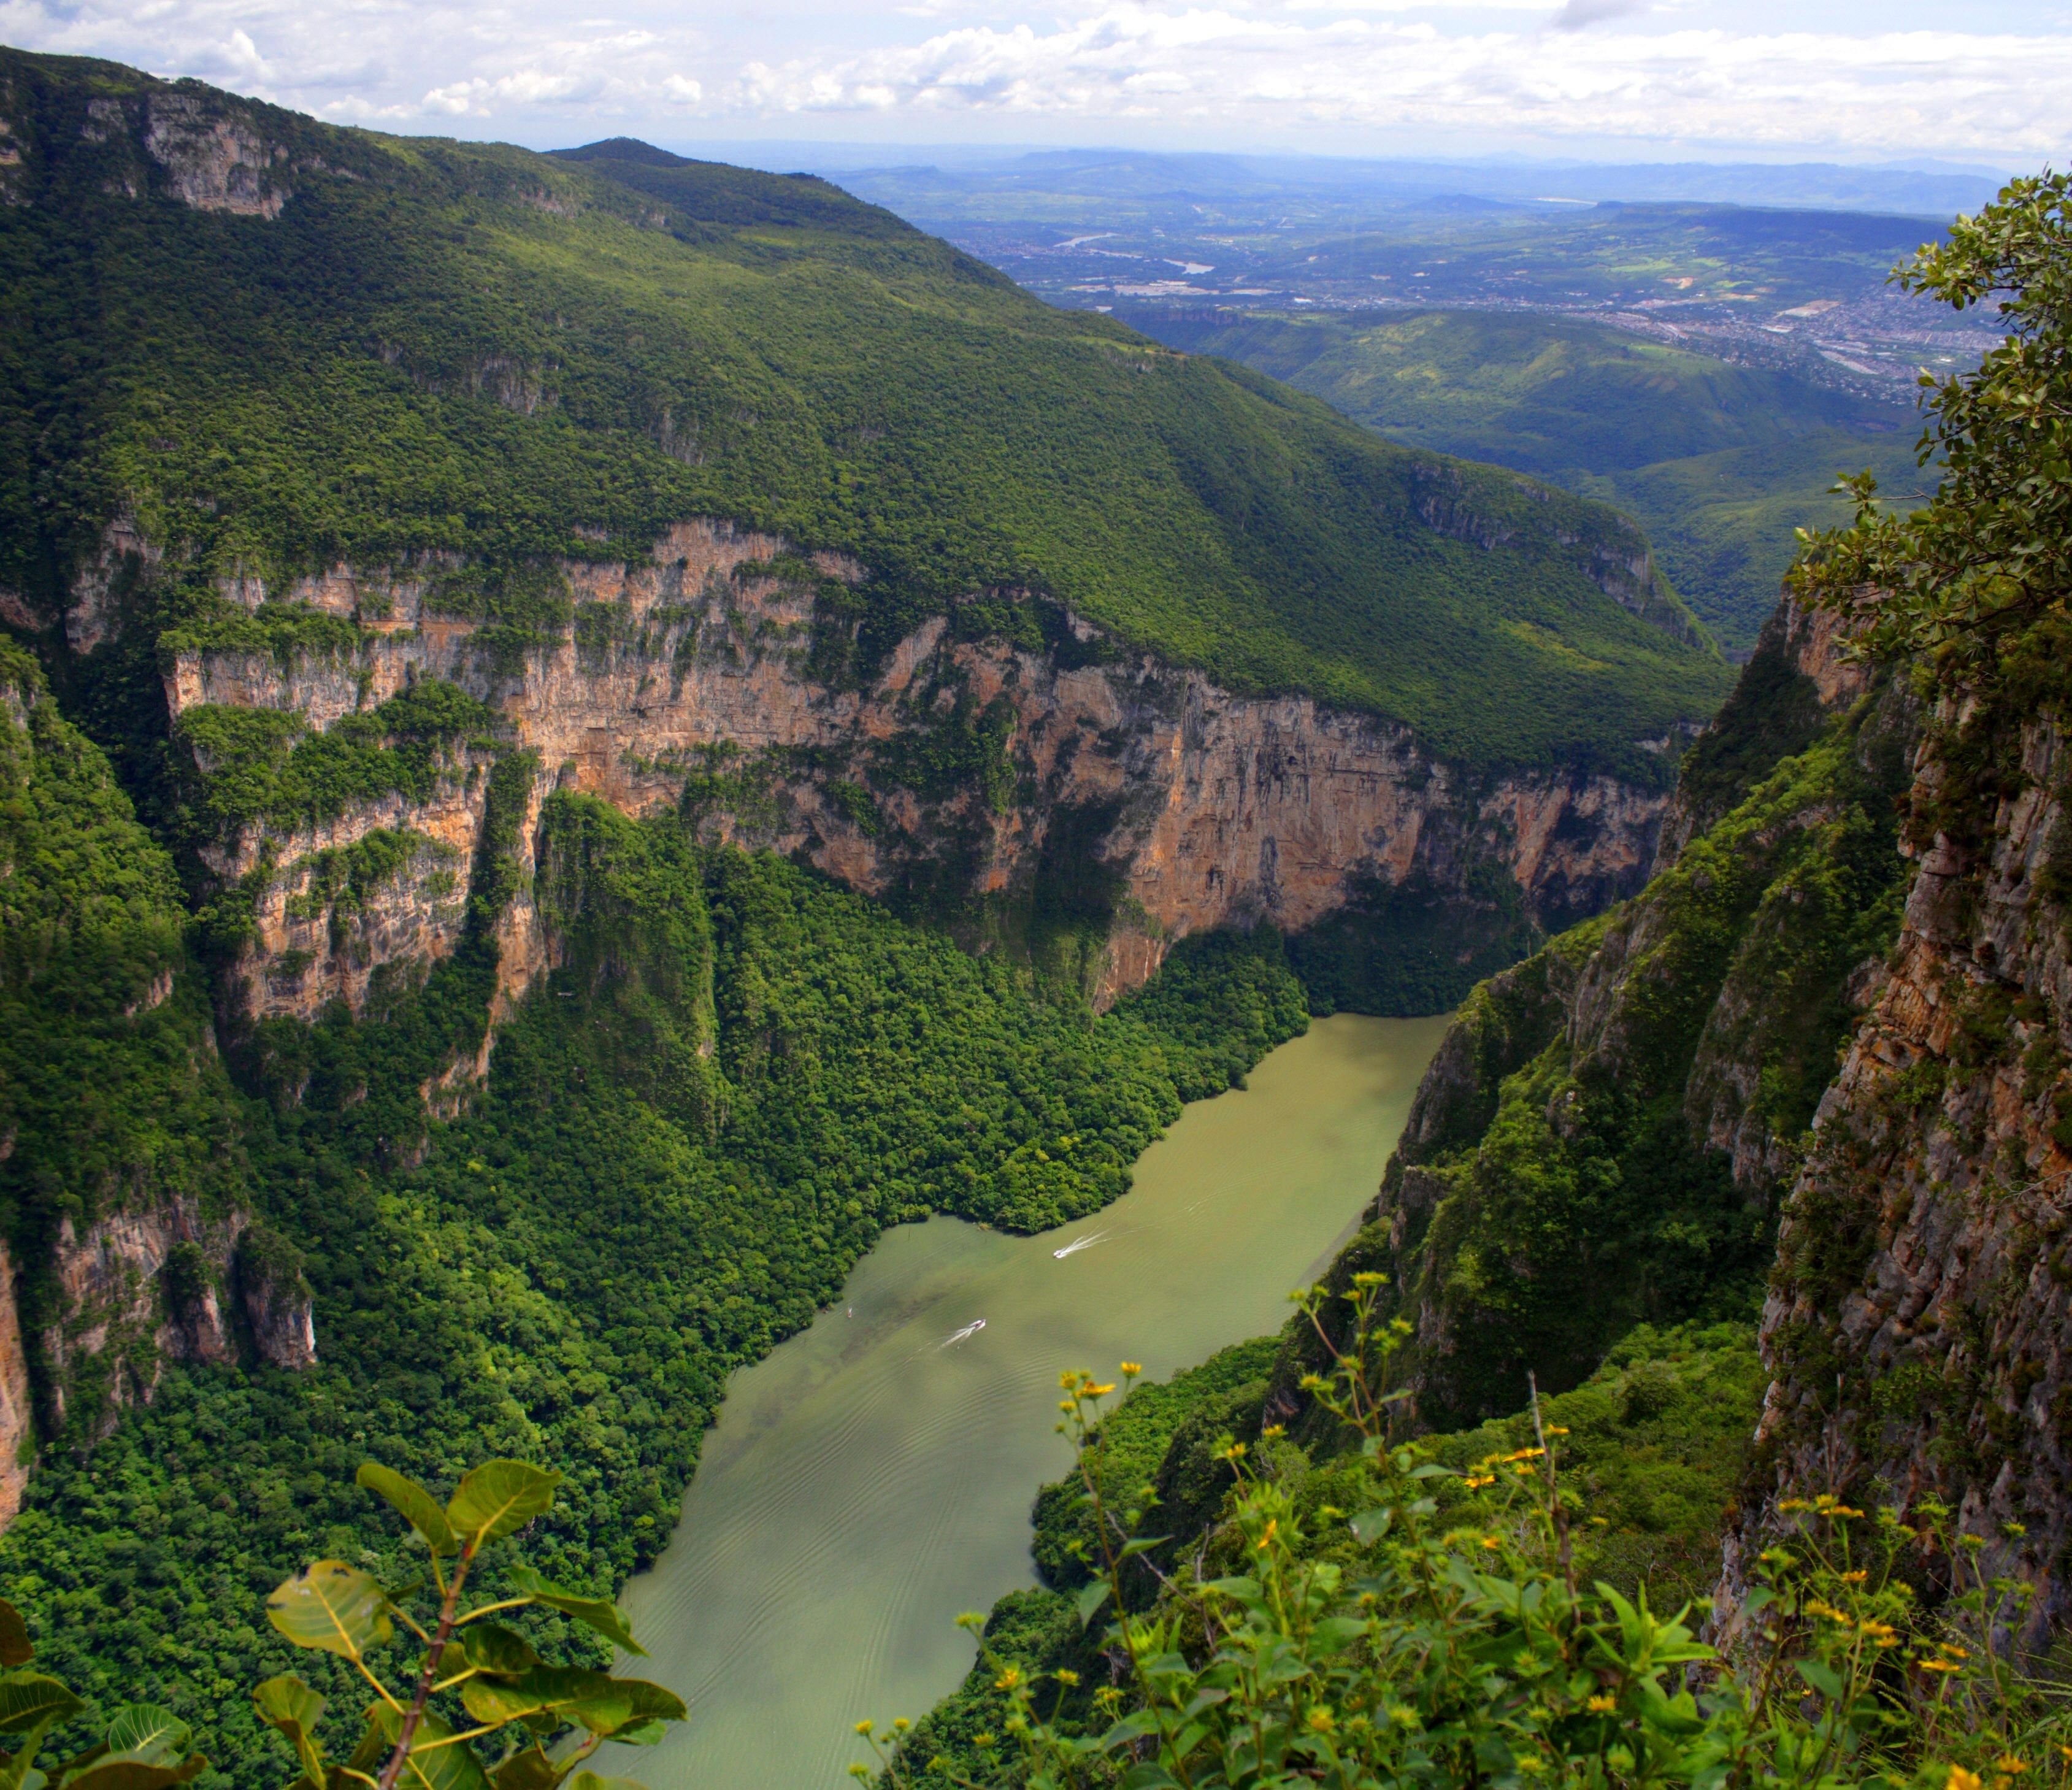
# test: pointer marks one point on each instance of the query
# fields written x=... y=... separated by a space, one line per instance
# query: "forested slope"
x=1720 y=464
x=275 y=345
x=736 y=1078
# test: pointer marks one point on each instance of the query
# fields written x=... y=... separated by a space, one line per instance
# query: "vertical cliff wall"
x=1605 y=1132
x=1002 y=767
x=123 y=1198
x=1918 y=1324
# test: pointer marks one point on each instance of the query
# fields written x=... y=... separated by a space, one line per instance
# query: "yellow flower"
x=1066 y=1676
x=1557 y=1430
x=2007 y=1763
x=1320 y=1721
x=1525 y=1455
x=1477 y=1481
x=1100 y=1392
x=1272 y=1431
x=1602 y=1705
x=1935 y=1665
x=1404 y=1717
x=1959 y=1779
x=1008 y=1679
x=900 y=1724
x=1272 y=1529
x=1133 y=1368
x=1855 y=1578
x=864 y=1726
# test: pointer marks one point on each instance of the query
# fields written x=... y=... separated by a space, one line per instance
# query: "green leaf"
x=1369 y=1526
x=499 y=1498
x=590 y=1781
x=1092 y=1597
x=592 y=1700
x=490 y=1646
x=288 y=1704
x=16 y=1648
x=135 y=1774
x=332 y=1606
x=149 y=1734
x=648 y=1731
x=29 y=1700
x=17 y=1771
x=1822 y=1677
x=596 y=1613
x=453 y=1767
x=528 y=1770
x=419 y=1509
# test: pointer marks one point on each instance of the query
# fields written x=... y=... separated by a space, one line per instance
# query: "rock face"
x=710 y=676
x=17 y=1416
x=1643 y=1081
x=137 y=1288
x=1918 y=1323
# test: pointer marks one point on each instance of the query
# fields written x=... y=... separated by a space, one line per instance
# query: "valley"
x=651 y=823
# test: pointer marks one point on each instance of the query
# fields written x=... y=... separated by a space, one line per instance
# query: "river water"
x=872 y=1477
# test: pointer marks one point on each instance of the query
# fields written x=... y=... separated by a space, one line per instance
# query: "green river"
x=872 y=1477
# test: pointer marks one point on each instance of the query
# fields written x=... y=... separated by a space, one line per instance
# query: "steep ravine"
x=1096 y=785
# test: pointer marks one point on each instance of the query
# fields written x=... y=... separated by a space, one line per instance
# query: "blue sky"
x=1987 y=85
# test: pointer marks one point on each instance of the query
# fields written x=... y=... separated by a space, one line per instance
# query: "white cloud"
x=1877 y=78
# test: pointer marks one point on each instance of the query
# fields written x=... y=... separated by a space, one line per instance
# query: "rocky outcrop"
x=1166 y=802
x=1918 y=1322
x=215 y=160
x=1606 y=1130
x=17 y=1414
x=135 y=1289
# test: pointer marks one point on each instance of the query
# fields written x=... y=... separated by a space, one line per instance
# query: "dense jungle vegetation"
x=1719 y=463
x=737 y=1077
x=439 y=348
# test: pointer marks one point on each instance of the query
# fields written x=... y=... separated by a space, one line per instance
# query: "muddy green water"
x=872 y=1477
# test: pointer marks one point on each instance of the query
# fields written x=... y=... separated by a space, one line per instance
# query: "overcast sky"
x=1988 y=82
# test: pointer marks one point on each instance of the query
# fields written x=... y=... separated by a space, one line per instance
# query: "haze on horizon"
x=1907 y=82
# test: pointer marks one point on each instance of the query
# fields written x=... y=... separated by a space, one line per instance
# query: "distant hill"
x=1720 y=464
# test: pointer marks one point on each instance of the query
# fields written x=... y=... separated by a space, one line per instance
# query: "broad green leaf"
x=288 y=1704
x=1369 y=1526
x=596 y=1613
x=528 y=1770
x=499 y=1498
x=135 y=1774
x=648 y=1731
x=1092 y=1597
x=430 y=1766
x=1822 y=1677
x=592 y=1700
x=419 y=1508
x=29 y=1700
x=18 y=1771
x=149 y=1734
x=490 y=1646
x=16 y=1648
x=332 y=1606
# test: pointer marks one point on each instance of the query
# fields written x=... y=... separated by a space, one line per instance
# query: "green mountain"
x=1719 y=463
x=345 y=347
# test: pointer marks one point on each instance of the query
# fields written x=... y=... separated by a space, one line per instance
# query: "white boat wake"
x=964 y=1335
x=1078 y=1244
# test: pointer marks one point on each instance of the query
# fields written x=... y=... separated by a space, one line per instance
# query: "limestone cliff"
x=122 y=1191
x=1605 y=1131
x=982 y=766
x=1918 y=1321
